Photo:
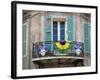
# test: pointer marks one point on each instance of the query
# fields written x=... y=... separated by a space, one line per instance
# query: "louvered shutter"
x=70 y=28
x=24 y=40
x=48 y=41
x=86 y=38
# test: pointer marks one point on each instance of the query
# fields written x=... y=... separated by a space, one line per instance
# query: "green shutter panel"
x=47 y=28
x=24 y=39
x=89 y=38
x=70 y=28
x=86 y=38
x=48 y=42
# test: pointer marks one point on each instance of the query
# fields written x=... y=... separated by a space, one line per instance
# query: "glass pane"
x=55 y=32
x=55 y=38
x=55 y=24
x=62 y=30
x=62 y=37
x=62 y=25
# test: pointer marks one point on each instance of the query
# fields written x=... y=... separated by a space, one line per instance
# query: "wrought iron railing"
x=50 y=48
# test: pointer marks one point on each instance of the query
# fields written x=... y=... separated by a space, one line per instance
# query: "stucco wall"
x=87 y=60
x=36 y=33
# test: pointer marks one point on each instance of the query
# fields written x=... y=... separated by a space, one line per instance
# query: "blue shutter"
x=48 y=42
x=86 y=38
x=70 y=28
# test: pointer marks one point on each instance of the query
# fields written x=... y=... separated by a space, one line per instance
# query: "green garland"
x=62 y=51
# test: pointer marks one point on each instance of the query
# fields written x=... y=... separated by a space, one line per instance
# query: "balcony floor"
x=58 y=61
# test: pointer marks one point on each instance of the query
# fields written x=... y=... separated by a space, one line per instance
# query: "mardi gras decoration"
x=62 y=46
x=42 y=50
x=77 y=48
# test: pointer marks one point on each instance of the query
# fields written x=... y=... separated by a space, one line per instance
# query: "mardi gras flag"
x=62 y=46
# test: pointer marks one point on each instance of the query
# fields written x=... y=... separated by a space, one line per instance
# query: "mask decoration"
x=77 y=48
x=42 y=50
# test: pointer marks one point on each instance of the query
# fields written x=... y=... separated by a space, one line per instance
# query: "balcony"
x=52 y=57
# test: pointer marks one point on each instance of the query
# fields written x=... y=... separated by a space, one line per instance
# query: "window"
x=58 y=30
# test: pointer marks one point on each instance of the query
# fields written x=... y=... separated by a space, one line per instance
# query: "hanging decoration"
x=42 y=50
x=62 y=46
x=77 y=48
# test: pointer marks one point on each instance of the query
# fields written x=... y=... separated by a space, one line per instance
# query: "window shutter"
x=24 y=40
x=86 y=38
x=70 y=28
x=48 y=42
x=47 y=28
